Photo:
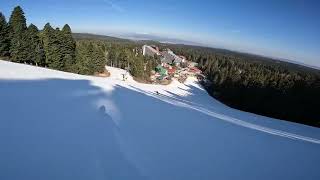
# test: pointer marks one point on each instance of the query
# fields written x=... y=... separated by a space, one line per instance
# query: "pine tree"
x=111 y=57
x=52 y=47
x=68 y=46
x=36 y=55
x=90 y=58
x=83 y=58
x=137 y=66
x=45 y=36
x=4 y=37
x=98 y=60
x=19 y=42
x=17 y=22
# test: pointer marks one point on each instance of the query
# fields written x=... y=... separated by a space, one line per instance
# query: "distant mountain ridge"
x=154 y=39
x=135 y=37
x=79 y=36
x=161 y=39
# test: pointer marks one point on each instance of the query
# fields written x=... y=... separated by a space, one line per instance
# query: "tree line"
x=129 y=56
x=258 y=84
x=124 y=54
x=57 y=49
x=93 y=54
x=51 y=48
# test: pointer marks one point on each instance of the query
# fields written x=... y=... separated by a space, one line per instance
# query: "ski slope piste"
x=58 y=125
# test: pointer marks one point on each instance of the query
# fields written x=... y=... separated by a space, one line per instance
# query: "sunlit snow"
x=57 y=125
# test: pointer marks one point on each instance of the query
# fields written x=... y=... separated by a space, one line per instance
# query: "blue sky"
x=278 y=28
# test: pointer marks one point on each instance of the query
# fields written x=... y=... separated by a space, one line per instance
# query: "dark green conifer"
x=68 y=46
x=17 y=21
x=52 y=47
x=137 y=66
x=19 y=40
x=4 y=37
x=98 y=60
x=36 y=51
x=83 y=58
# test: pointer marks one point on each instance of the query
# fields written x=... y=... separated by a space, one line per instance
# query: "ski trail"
x=257 y=127
x=239 y=122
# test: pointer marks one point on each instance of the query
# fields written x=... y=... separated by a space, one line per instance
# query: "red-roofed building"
x=171 y=71
x=195 y=70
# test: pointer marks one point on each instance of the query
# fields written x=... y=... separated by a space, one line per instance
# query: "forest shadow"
x=297 y=104
x=53 y=129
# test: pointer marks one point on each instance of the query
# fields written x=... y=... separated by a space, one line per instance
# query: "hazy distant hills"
x=135 y=37
x=155 y=39
x=79 y=36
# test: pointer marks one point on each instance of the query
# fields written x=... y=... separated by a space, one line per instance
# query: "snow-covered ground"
x=57 y=125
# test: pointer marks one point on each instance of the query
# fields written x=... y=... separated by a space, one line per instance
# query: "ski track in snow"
x=197 y=107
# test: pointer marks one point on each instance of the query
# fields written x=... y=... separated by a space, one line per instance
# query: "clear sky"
x=277 y=28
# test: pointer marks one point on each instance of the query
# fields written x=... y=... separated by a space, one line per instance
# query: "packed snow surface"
x=57 y=125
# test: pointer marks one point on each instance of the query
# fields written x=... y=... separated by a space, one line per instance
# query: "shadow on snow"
x=169 y=138
x=54 y=129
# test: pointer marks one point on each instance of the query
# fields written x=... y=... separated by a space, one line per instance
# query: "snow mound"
x=58 y=125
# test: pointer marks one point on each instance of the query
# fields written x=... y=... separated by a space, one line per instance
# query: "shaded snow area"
x=56 y=125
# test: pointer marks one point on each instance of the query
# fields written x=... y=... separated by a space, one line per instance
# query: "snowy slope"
x=57 y=125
